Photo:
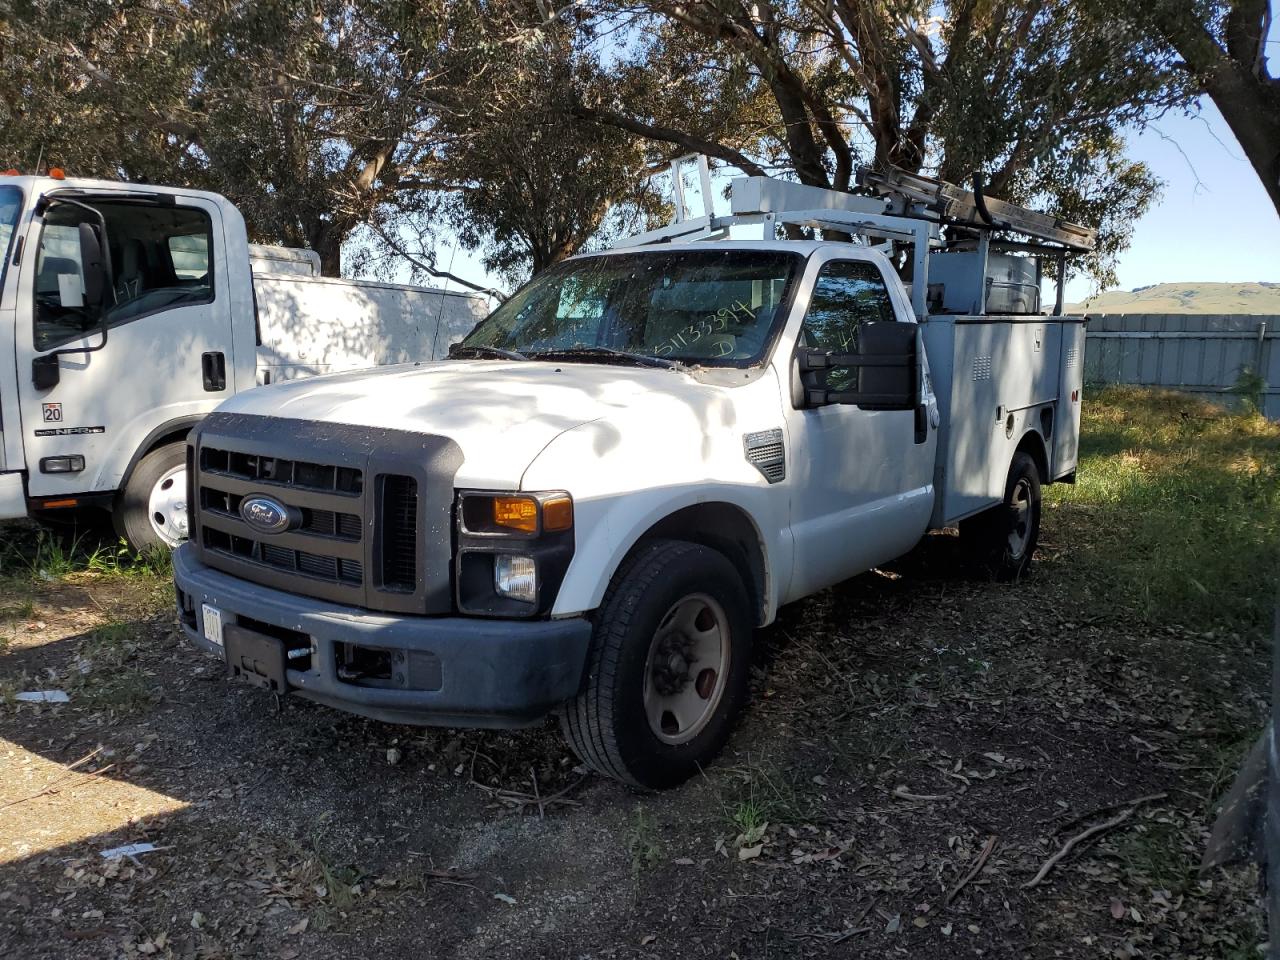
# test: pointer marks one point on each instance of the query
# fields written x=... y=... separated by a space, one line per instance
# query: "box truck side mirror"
x=95 y=268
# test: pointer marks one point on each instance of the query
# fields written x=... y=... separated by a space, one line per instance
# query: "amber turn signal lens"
x=557 y=514
x=516 y=513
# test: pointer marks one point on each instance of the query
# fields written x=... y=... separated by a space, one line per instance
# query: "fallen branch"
x=520 y=800
x=1085 y=835
x=542 y=810
x=902 y=793
x=58 y=785
x=976 y=869
x=1136 y=802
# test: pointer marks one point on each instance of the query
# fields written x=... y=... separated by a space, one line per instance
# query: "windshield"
x=10 y=207
x=712 y=307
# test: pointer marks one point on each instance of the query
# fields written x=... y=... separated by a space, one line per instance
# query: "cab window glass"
x=848 y=294
x=160 y=260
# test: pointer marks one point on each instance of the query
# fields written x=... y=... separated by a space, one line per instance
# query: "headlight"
x=513 y=550
x=516 y=577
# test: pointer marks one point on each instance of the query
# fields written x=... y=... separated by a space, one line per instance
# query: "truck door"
x=168 y=352
x=864 y=478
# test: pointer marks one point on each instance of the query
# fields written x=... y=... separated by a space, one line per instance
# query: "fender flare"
x=176 y=425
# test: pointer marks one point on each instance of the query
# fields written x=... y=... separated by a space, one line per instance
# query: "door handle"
x=214 y=367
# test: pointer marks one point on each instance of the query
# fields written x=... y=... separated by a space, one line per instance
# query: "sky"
x=1212 y=222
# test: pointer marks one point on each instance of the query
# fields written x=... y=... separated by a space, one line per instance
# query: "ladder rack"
x=907 y=209
x=921 y=196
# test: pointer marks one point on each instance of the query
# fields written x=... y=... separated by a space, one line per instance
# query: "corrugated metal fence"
x=1213 y=355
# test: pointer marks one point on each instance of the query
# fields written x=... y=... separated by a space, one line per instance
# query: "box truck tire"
x=668 y=669
x=151 y=511
x=1003 y=538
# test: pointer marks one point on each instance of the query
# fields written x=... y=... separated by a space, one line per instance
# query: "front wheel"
x=668 y=667
x=151 y=511
x=1003 y=538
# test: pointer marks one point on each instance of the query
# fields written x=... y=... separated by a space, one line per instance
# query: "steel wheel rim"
x=167 y=506
x=687 y=667
x=1020 y=509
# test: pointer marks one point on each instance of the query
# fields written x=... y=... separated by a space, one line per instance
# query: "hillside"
x=1187 y=298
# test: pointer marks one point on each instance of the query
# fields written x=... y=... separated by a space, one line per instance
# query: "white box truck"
x=626 y=468
x=129 y=311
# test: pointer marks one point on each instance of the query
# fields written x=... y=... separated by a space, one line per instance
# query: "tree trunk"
x=331 y=260
x=327 y=242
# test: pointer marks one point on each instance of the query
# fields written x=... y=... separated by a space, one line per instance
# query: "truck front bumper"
x=454 y=671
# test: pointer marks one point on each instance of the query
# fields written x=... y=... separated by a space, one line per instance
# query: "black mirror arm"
x=811 y=360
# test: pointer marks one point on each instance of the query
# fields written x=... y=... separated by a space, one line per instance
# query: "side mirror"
x=94 y=266
x=885 y=367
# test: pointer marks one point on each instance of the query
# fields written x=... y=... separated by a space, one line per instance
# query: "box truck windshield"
x=10 y=205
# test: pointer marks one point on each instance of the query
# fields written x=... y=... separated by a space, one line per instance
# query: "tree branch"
x=430 y=270
x=670 y=135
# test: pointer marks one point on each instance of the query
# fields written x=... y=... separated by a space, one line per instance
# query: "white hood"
x=501 y=413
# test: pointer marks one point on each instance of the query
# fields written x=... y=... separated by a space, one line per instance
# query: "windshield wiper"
x=459 y=350
x=639 y=359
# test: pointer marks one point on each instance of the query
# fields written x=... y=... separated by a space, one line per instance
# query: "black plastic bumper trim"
x=494 y=673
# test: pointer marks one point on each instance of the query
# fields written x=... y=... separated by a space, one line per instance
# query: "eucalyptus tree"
x=309 y=114
x=1034 y=93
x=1223 y=46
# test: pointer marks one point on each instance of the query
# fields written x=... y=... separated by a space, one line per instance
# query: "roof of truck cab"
x=74 y=185
x=802 y=247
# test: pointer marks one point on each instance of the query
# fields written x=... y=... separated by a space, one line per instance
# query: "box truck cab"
x=127 y=313
x=624 y=470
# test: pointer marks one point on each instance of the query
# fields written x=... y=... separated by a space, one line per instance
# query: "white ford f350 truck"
x=633 y=463
x=129 y=311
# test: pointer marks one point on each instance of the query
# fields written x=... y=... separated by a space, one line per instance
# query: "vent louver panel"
x=765 y=452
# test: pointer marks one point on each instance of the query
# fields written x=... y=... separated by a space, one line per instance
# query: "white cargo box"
x=314 y=325
x=992 y=375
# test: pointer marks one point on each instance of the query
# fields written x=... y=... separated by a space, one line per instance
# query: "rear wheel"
x=151 y=511
x=1002 y=540
x=668 y=667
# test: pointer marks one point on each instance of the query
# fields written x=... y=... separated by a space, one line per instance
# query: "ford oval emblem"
x=267 y=515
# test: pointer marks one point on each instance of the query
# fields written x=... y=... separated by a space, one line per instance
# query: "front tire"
x=151 y=511
x=1002 y=540
x=668 y=667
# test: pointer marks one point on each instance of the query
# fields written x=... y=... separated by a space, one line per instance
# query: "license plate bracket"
x=256 y=658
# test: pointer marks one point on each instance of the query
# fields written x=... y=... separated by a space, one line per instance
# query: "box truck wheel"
x=1003 y=538
x=668 y=667
x=151 y=511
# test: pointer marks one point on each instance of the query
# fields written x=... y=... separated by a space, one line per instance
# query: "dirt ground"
x=918 y=745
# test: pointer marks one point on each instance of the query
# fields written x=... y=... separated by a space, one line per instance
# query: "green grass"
x=42 y=555
x=643 y=846
x=1176 y=515
x=755 y=796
